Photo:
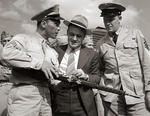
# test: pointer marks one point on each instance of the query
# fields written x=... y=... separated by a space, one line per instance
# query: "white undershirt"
x=63 y=64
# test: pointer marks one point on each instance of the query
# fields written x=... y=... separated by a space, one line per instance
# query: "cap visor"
x=62 y=18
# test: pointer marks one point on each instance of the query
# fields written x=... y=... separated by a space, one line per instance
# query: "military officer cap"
x=50 y=13
x=111 y=9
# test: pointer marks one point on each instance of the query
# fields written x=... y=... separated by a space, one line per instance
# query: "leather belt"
x=3 y=81
x=44 y=84
x=70 y=86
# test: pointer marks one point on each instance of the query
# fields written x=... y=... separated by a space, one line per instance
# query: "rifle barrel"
x=99 y=87
x=96 y=86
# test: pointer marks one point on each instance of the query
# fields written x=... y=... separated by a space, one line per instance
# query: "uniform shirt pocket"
x=130 y=45
x=130 y=48
x=137 y=81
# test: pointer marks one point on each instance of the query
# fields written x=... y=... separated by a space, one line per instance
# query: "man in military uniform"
x=32 y=62
x=5 y=74
x=124 y=64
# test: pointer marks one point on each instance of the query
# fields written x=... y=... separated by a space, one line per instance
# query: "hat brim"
x=54 y=17
x=67 y=23
x=61 y=18
x=58 y=17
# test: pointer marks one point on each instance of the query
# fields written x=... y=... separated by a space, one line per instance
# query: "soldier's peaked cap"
x=111 y=9
x=50 y=13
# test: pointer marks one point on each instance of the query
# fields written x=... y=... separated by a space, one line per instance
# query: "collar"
x=39 y=37
x=108 y=38
x=119 y=30
x=43 y=40
x=75 y=51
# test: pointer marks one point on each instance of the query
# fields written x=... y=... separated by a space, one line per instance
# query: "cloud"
x=11 y=14
x=131 y=16
x=1 y=6
x=24 y=6
x=88 y=8
x=68 y=8
x=28 y=28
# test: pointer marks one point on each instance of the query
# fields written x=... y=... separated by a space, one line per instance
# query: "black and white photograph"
x=74 y=58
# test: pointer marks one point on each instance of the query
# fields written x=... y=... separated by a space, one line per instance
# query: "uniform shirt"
x=63 y=64
x=51 y=55
x=26 y=52
x=122 y=65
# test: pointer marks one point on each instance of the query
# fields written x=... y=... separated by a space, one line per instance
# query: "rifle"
x=93 y=85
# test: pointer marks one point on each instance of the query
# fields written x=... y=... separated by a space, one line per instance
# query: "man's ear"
x=43 y=24
x=120 y=17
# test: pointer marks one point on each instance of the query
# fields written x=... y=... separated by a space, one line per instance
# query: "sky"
x=15 y=15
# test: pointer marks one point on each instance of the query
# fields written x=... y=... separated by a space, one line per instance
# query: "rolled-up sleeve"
x=15 y=54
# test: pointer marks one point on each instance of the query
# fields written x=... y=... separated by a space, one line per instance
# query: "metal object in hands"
x=66 y=78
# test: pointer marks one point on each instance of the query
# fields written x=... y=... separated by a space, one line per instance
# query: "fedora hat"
x=79 y=21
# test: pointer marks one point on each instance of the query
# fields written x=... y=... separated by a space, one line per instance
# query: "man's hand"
x=48 y=68
x=79 y=73
x=147 y=98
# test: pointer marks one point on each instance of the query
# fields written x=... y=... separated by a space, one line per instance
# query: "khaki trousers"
x=29 y=100
x=119 y=107
x=4 y=91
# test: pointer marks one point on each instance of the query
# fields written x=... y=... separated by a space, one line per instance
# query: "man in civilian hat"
x=80 y=62
x=32 y=62
x=124 y=65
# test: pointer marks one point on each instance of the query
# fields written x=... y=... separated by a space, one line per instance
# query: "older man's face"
x=112 y=24
x=75 y=36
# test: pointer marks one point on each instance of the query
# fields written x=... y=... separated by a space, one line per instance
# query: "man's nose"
x=108 y=24
x=74 y=37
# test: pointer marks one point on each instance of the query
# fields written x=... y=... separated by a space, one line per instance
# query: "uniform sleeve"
x=1 y=49
x=14 y=54
x=144 y=54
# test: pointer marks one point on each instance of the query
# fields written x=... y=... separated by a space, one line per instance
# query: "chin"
x=74 y=46
x=111 y=31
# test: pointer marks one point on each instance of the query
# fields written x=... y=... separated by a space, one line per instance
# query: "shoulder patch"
x=146 y=45
x=13 y=44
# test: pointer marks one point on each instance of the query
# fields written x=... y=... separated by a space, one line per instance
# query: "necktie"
x=71 y=63
x=115 y=38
